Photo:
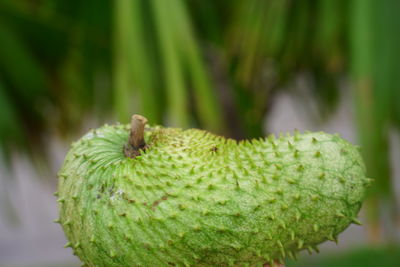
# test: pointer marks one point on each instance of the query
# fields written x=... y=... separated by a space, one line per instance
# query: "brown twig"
x=136 y=137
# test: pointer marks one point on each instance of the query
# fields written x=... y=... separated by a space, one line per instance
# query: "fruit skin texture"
x=196 y=199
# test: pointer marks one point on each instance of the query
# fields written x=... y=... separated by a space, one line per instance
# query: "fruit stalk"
x=136 y=140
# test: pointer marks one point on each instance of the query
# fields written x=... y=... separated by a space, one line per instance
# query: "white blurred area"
x=34 y=240
x=28 y=235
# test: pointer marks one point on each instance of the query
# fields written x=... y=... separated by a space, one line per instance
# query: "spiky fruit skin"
x=197 y=199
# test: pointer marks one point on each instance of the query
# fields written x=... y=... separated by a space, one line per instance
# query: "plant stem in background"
x=371 y=105
x=177 y=107
x=205 y=100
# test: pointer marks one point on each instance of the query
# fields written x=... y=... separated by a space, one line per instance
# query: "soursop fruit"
x=192 y=198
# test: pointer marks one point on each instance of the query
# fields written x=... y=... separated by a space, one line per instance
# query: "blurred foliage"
x=363 y=257
x=209 y=64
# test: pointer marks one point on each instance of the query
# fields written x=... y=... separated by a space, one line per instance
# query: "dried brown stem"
x=136 y=137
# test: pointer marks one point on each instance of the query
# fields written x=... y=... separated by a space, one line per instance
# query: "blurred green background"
x=239 y=68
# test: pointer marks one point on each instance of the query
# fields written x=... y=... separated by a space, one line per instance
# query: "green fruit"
x=192 y=198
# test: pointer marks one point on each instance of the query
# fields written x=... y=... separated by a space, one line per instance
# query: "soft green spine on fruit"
x=196 y=199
